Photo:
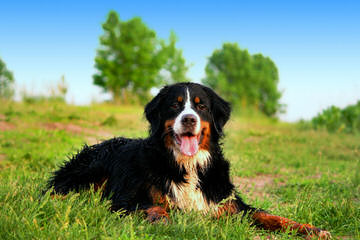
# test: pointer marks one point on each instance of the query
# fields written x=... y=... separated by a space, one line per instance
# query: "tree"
x=248 y=80
x=266 y=75
x=175 y=65
x=132 y=59
x=6 y=81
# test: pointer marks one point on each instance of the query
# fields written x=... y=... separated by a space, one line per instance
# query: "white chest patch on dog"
x=188 y=196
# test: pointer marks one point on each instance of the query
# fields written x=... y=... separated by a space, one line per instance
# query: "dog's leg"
x=273 y=223
x=270 y=222
x=158 y=211
x=156 y=214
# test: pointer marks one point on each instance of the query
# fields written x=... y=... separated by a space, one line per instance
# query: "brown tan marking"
x=197 y=100
x=100 y=185
x=158 y=198
x=205 y=132
x=229 y=208
x=180 y=99
x=272 y=222
x=157 y=213
x=169 y=124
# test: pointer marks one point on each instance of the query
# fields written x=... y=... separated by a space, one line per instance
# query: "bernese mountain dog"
x=180 y=165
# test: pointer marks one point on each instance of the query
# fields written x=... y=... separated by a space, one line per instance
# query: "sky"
x=315 y=44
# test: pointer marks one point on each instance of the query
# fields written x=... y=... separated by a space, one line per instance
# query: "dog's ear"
x=220 y=110
x=152 y=110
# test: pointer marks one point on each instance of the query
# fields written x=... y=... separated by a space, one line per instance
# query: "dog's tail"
x=82 y=170
x=87 y=167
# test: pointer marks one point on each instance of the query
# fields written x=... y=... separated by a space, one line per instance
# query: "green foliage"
x=131 y=58
x=244 y=79
x=6 y=81
x=335 y=119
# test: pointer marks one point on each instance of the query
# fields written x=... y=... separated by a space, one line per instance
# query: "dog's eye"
x=201 y=107
x=175 y=105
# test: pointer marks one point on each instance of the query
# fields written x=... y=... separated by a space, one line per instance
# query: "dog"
x=180 y=165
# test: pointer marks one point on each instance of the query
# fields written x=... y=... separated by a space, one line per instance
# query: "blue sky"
x=315 y=44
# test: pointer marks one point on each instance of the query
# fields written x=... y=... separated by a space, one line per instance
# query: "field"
x=309 y=176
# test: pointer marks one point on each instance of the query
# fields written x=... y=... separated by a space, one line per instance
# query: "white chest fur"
x=188 y=196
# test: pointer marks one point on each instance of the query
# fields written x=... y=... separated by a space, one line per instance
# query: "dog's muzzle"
x=188 y=139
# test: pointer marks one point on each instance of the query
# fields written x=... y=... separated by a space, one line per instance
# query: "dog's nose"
x=188 y=120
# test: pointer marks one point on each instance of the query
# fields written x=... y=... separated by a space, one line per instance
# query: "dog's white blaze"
x=187 y=110
x=187 y=196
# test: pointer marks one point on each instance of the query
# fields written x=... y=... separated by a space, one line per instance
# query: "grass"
x=311 y=176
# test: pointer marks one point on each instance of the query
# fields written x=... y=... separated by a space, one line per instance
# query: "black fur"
x=133 y=166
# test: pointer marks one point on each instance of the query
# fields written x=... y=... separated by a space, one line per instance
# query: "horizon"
x=316 y=46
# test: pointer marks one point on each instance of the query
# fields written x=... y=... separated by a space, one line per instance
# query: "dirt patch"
x=67 y=127
x=254 y=185
x=72 y=128
x=4 y=126
x=91 y=140
x=345 y=237
x=2 y=117
x=2 y=157
x=104 y=134
x=253 y=139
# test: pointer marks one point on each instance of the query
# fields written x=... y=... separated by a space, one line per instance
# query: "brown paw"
x=321 y=235
x=324 y=235
x=157 y=214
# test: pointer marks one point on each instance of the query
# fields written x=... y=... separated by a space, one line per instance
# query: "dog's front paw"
x=324 y=235
x=157 y=214
x=320 y=235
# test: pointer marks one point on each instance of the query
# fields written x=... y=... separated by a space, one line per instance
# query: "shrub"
x=335 y=119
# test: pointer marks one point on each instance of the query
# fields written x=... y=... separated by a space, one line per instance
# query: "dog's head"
x=187 y=116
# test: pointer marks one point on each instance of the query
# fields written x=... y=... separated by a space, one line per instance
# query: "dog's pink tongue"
x=189 y=145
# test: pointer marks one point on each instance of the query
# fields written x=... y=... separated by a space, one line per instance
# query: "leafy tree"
x=175 y=65
x=132 y=59
x=6 y=81
x=248 y=80
x=266 y=76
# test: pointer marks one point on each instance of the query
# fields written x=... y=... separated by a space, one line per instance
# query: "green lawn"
x=305 y=175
